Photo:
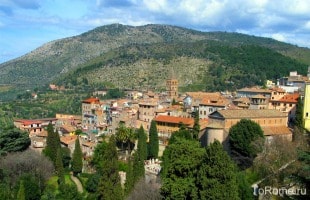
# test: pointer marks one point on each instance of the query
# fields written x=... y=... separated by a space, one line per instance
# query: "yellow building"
x=306 y=111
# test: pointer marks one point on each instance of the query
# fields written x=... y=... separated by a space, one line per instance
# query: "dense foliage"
x=13 y=140
x=193 y=172
x=246 y=139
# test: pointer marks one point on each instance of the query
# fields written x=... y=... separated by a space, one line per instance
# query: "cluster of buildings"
x=273 y=108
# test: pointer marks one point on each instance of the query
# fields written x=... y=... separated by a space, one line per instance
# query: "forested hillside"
x=126 y=56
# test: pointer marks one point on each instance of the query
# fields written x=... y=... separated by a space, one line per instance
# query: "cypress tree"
x=77 y=161
x=21 y=191
x=59 y=168
x=196 y=127
x=142 y=146
x=129 y=184
x=109 y=187
x=153 y=142
x=52 y=143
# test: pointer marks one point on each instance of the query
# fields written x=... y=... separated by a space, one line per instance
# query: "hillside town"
x=273 y=108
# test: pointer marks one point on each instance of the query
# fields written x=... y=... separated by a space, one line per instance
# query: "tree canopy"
x=192 y=172
x=13 y=140
x=246 y=139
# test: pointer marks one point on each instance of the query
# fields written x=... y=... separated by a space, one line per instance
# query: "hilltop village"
x=272 y=107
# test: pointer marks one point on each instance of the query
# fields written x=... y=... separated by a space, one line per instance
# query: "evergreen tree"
x=59 y=168
x=109 y=187
x=138 y=167
x=129 y=184
x=52 y=143
x=21 y=192
x=196 y=127
x=142 y=146
x=153 y=141
x=246 y=139
x=182 y=133
x=299 y=112
x=217 y=175
x=13 y=140
x=181 y=162
x=77 y=158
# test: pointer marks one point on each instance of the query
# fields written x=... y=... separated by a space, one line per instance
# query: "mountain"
x=128 y=56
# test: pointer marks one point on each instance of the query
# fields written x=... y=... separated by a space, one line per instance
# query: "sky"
x=27 y=24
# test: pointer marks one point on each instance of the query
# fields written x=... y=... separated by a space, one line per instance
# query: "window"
x=307 y=114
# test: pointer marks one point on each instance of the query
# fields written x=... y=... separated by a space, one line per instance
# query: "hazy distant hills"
x=131 y=57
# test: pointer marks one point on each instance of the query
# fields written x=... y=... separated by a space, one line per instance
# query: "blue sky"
x=28 y=24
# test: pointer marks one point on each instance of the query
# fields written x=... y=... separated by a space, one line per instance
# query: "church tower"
x=172 y=89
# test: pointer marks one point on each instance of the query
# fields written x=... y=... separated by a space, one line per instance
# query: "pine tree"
x=21 y=191
x=153 y=142
x=59 y=168
x=109 y=187
x=52 y=143
x=77 y=158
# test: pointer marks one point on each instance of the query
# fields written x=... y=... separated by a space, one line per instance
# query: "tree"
x=77 y=158
x=122 y=135
x=59 y=168
x=181 y=161
x=181 y=133
x=142 y=146
x=16 y=164
x=52 y=143
x=196 y=127
x=129 y=184
x=246 y=140
x=66 y=156
x=13 y=140
x=217 y=175
x=153 y=141
x=109 y=185
x=98 y=158
x=299 y=110
x=21 y=191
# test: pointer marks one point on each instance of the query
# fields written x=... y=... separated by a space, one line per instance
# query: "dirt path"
x=77 y=183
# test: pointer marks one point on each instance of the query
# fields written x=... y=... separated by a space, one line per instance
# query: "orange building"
x=166 y=125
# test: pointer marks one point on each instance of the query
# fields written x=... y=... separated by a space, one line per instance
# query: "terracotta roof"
x=288 y=98
x=68 y=139
x=248 y=114
x=276 y=130
x=91 y=100
x=202 y=95
x=221 y=101
x=277 y=89
x=150 y=103
x=254 y=89
x=258 y=96
x=27 y=122
x=175 y=120
x=244 y=100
